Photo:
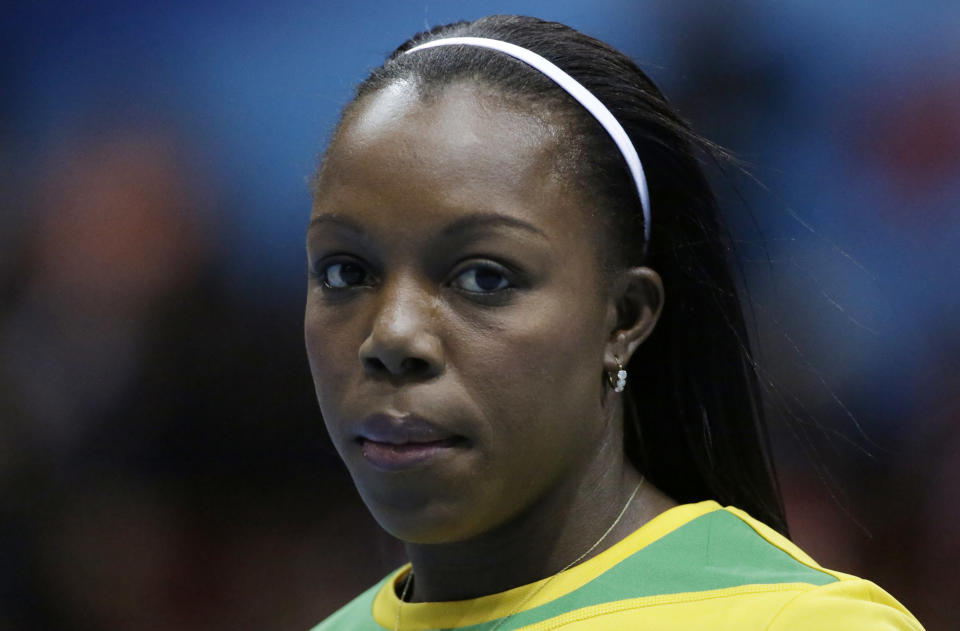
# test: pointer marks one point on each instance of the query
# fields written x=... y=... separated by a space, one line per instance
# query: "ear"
x=635 y=303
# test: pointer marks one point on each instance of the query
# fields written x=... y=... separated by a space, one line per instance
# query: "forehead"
x=464 y=148
x=462 y=129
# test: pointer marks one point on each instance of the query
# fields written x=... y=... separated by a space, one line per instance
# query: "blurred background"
x=162 y=461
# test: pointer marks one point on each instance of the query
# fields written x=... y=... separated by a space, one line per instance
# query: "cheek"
x=331 y=351
x=540 y=369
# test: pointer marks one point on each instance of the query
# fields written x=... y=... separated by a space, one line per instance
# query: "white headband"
x=577 y=91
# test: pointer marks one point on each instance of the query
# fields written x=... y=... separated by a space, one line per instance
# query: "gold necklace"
x=623 y=511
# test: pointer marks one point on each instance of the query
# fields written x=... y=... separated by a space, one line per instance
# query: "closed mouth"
x=394 y=456
x=397 y=429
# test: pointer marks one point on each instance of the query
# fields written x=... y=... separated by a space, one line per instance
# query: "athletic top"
x=695 y=566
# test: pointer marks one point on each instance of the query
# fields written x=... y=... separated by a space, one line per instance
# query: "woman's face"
x=456 y=319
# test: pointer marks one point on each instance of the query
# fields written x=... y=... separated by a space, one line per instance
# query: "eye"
x=482 y=279
x=343 y=275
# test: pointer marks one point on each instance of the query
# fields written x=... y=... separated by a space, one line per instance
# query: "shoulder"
x=719 y=568
x=747 y=555
x=708 y=547
x=851 y=604
x=357 y=615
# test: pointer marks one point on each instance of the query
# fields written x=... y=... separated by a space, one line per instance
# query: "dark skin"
x=459 y=331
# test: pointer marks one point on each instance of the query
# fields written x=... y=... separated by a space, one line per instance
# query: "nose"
x=402 y=343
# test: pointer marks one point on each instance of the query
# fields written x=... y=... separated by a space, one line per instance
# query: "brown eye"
x=482 y=279
x=343 y=275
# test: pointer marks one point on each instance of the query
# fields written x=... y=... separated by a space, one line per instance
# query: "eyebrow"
x=475 y=221
x=336 y=220
x=478 y=221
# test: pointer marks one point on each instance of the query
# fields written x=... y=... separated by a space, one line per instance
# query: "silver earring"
x=620 y=382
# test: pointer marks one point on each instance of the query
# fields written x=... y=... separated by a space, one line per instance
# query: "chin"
x=424 y=519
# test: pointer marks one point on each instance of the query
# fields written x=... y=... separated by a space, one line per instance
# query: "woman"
x=529 y=352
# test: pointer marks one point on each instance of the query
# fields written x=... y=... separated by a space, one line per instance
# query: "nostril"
x=414 y=366
x=408 y=367
x=374 y=366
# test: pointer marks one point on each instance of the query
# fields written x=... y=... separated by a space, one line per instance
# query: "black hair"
x=693 y=420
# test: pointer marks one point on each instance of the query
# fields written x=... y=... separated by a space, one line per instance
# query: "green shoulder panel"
x=714 y=551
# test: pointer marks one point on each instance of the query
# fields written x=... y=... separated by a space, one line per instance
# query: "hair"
x=693 y=416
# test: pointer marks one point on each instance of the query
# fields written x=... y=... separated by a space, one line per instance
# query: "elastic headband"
x=583 y=96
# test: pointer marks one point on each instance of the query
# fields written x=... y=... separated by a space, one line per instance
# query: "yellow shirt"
x=695 y=566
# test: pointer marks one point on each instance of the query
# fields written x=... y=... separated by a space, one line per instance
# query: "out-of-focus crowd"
x=162 y=461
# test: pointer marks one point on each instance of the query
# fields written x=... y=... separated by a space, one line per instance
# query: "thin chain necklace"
x=623 y=511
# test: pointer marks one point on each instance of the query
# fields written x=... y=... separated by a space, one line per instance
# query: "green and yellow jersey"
x=695 y=566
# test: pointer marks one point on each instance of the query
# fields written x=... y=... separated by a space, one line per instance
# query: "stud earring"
x=620 y=382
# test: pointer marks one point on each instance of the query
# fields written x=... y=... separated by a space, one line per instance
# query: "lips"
x=398 y=442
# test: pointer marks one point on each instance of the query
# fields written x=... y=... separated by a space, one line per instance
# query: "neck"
x=543 y=539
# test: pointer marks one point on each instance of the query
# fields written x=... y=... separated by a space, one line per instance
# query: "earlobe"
x=636 y=304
